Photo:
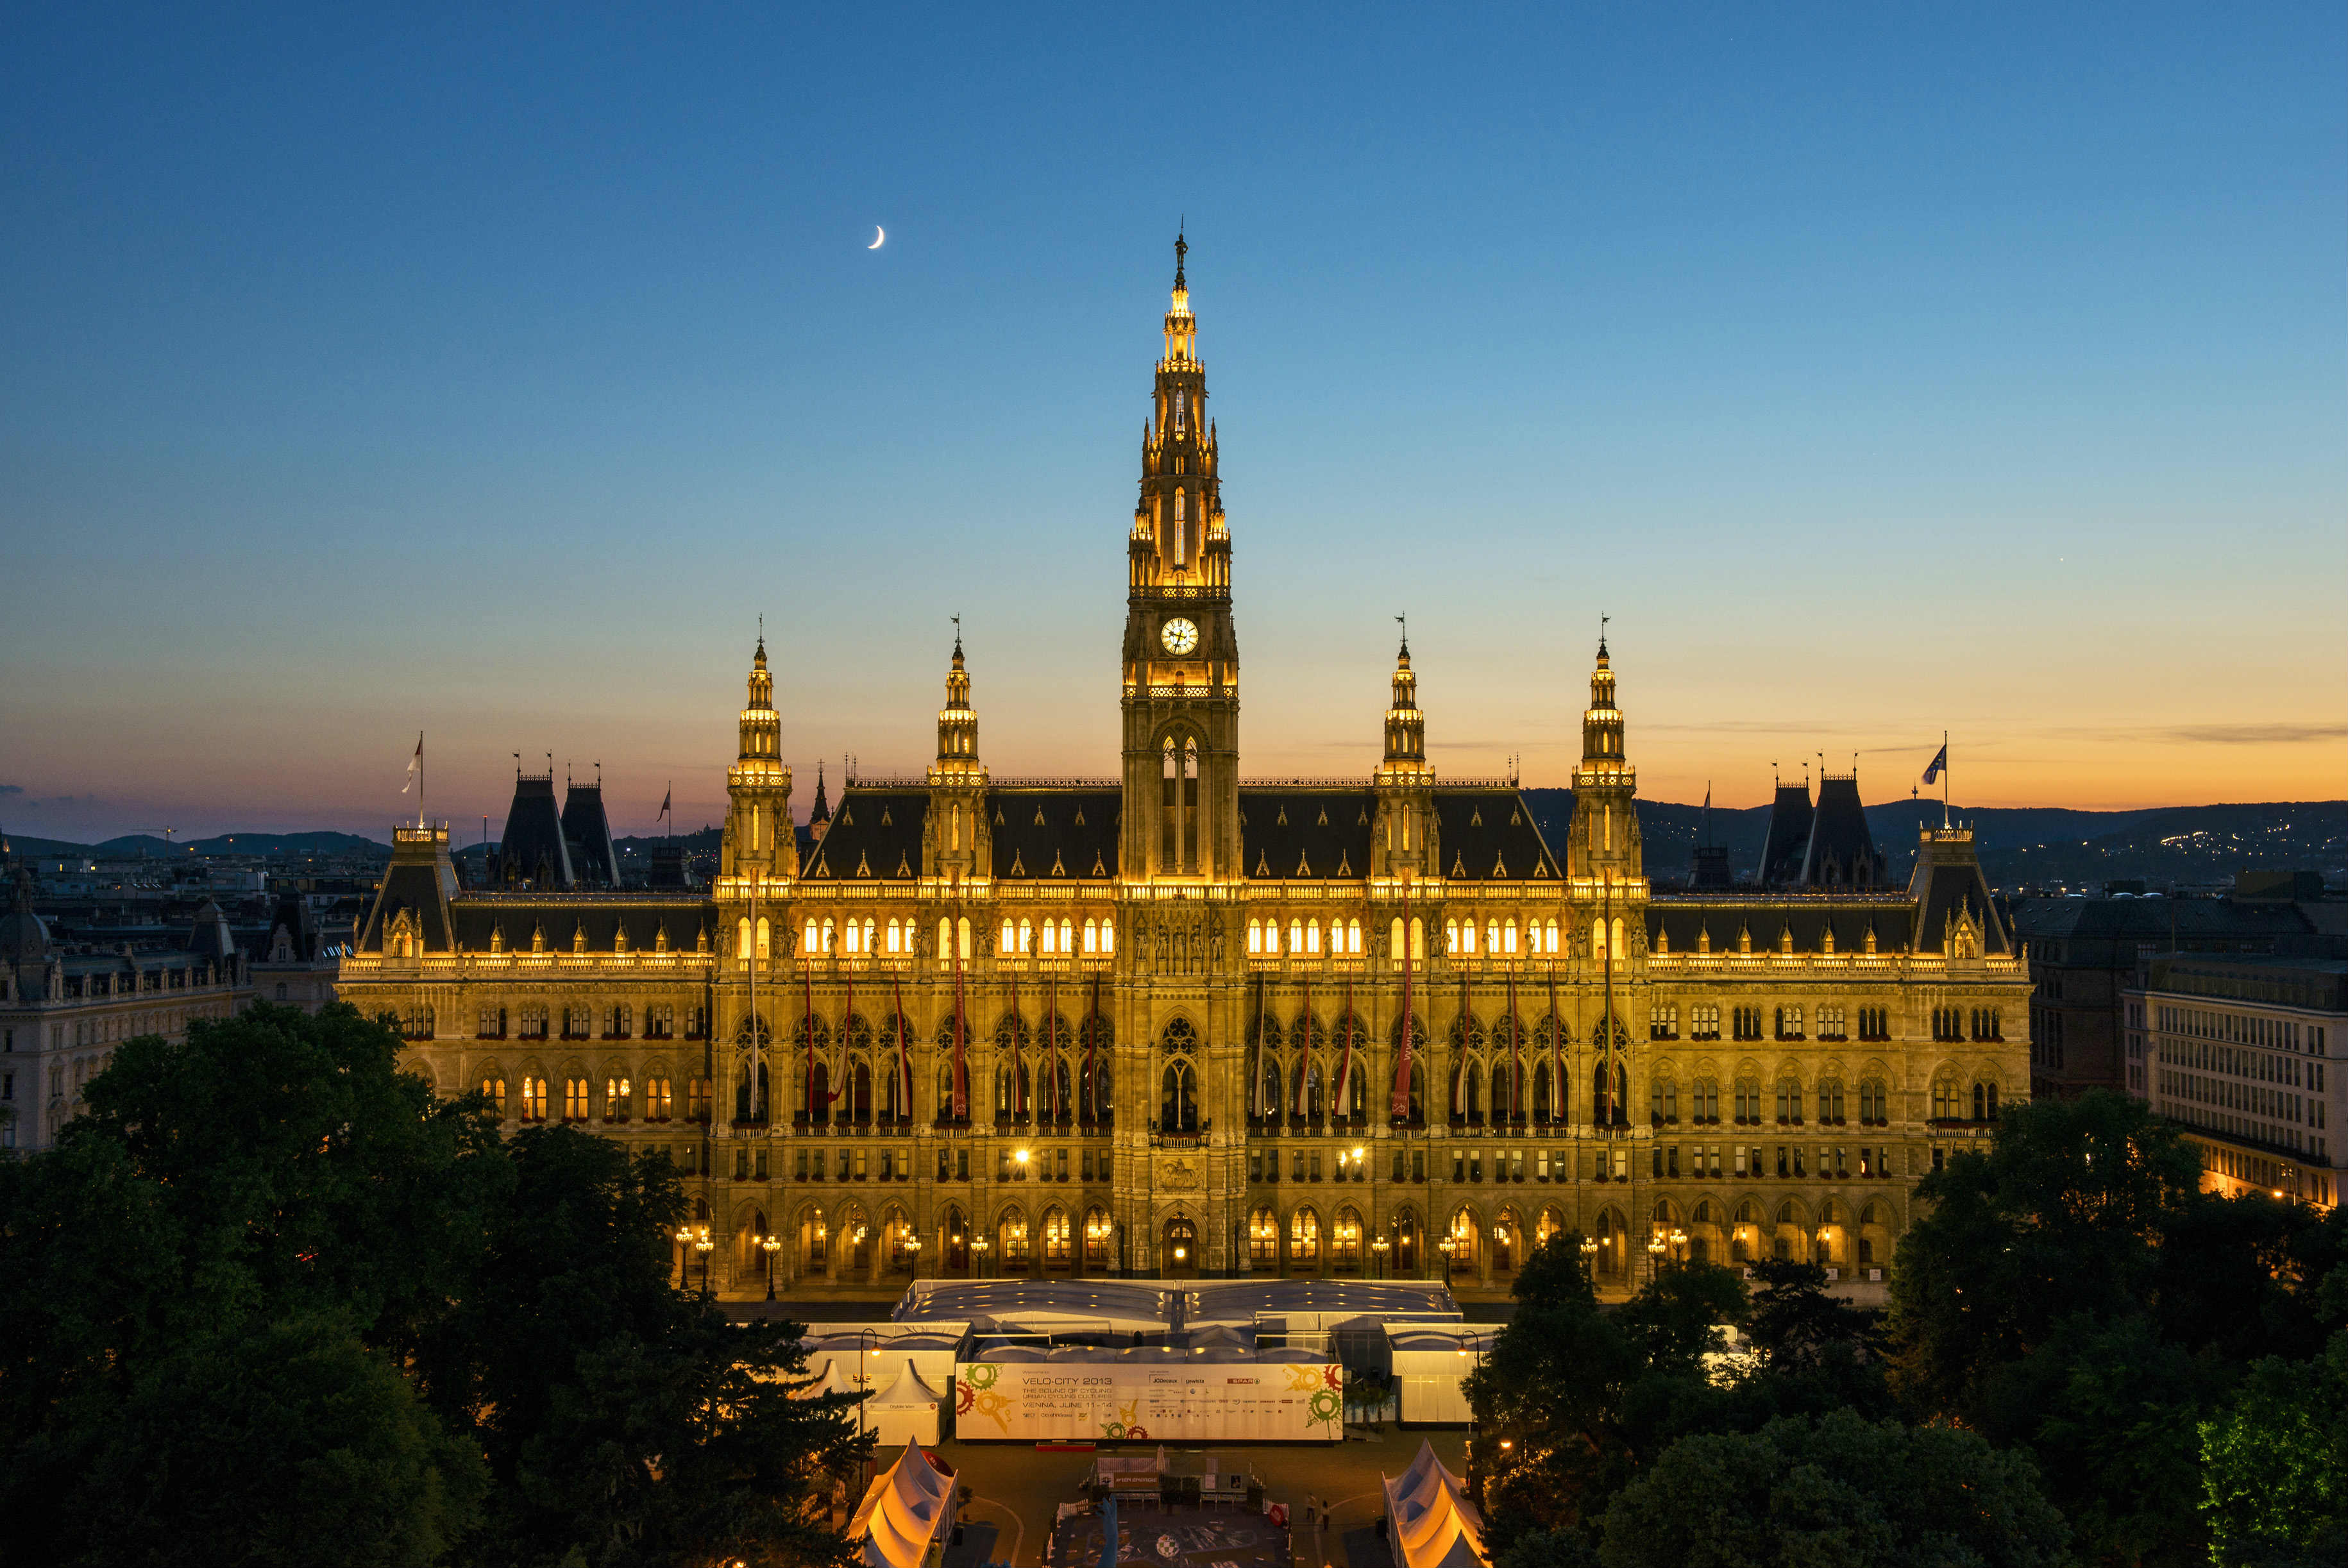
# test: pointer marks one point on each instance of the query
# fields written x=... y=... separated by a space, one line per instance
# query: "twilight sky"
x=1879 y=373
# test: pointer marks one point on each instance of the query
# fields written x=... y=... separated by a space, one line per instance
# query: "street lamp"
x=1378 y=1245
x=1020 y=1156
x=770 y=1244
x=684 y=1256
x=703 y=1245
x=978 y=1245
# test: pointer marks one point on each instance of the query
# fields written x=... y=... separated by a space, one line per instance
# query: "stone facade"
x=1177 y=1022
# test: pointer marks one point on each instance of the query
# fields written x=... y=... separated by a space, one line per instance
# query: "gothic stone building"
x=1177 y=1023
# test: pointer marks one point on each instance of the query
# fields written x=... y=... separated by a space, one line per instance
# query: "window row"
x=615 y=1021
x=619 y=1102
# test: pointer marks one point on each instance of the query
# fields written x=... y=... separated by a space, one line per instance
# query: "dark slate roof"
x=1486 y=833
x=208 y=934
x=1053 y=832
x=2153 y=919
x=1841 y=851
x=532 y=847
x=1681 y=923
x=1948 y=881
x=417 y=881
x=875 y=834
x=1789 y=837
x=587 y=834
x=475 y=918
x=1299 y=832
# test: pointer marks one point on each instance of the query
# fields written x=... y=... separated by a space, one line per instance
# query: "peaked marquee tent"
x=907 y=1515
x=904 y=1412
x=1433 y=1524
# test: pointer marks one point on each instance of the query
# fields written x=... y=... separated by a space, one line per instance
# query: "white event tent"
x=907 y=1516
x=904 y=1412
x=1431 y=1524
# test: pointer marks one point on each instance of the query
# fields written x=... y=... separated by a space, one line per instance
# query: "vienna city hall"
x=1177 y=1023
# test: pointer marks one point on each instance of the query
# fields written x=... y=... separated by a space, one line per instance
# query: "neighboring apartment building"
x=2085 y=953
x=63 y=1013
x=2240 y=1050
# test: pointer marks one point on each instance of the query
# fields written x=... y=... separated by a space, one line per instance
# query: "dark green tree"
x=1838 y=1489
x=2275 y=1491
x=268 y=1277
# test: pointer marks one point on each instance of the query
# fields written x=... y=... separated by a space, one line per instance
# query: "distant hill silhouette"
x=2026 y=844
x=2018 y=845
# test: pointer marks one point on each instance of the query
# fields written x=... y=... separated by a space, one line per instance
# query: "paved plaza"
x=1016 y=1489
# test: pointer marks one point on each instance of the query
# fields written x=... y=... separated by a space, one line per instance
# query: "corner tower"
x=1603 y=841
x=1181 y=701
x=956 y=840
x=758 y=836
x=1402 y=841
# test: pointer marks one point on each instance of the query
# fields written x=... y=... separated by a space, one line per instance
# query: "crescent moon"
x=879 y=235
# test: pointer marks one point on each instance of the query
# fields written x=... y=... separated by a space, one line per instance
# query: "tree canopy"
x=271 y=1300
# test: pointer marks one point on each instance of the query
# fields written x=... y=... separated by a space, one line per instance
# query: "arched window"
x=962 y=937
x=1304 y=1238
x=1394 y=948
x=1178 y=1098
x=1984 y=1103
x=742 y=942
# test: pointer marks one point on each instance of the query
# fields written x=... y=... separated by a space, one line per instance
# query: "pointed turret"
x=818 y=814
x=758 y=835
x=1604 y=838
x=955 y=838
x=1406 y=725
x=1402 y=839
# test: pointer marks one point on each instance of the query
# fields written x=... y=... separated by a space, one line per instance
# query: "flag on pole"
x=415 y=764
x=666 y=799
x=1940 y=761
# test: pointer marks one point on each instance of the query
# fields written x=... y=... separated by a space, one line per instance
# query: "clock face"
x=1178 y=636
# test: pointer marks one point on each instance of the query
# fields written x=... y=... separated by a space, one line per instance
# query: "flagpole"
x=1944 y=782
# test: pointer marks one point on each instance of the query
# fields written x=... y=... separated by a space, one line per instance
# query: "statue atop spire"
x=1181 y=249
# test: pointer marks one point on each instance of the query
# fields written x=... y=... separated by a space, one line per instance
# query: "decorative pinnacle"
x=957 y=653
x=1181 y=249
x=1601 y=634
x=1404 y=622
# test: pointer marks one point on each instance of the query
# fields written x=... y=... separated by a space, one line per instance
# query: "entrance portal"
x=1178 y=1251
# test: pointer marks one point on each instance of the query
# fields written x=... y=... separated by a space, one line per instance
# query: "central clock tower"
x=1182 y=702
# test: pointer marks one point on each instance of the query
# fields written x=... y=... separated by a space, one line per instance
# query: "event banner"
x=1102 y=1401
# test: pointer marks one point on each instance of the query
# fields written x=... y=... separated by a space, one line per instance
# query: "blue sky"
x=1879 y=373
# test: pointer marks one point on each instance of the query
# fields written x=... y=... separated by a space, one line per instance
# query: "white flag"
x=415 y=764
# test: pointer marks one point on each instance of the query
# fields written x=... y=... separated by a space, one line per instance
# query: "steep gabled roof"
x=478 y=919
x=875 y=835
x=532 y=847
x=1303 y=832
x=1841 y=851
x=1789 y=837
x=1487 y=833
x=587 y=834
x=1055 y=832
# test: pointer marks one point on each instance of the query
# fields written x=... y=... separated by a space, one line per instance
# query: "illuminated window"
x=962 y=936
x=1108 y=936
x=1309 y=937
x=575 y=1100
x=658 y=1104
x=1092 y=937
x=1255 y=936
x=533 y=1100
x=493 y=1089
x=742 y=942
x=1026 y=938
x=808 y=943
x=1009 y=940
x=1492 y=936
